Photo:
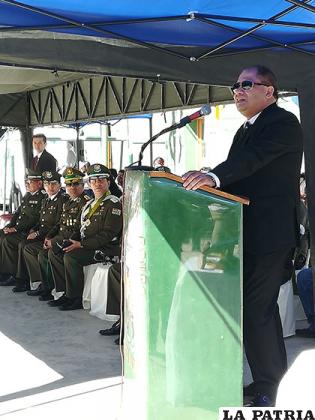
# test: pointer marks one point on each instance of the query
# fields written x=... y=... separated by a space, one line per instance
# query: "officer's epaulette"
x=114 y=199
x=87 y=197
x=43 y=192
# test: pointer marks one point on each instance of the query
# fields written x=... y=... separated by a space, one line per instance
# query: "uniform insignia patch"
x=116 y=211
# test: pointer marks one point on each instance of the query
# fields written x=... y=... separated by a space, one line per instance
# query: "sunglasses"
x=246 y=85
x=30 y=181
x=99 y=178
x=73 y=184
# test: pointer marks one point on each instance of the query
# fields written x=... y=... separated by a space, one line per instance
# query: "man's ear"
x=270 y=91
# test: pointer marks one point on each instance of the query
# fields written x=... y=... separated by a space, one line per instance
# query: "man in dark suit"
x=263 y=164
x=42 y=161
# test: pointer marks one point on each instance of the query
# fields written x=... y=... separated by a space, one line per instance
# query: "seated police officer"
x=114 y=296
x=68 y=227
x=101 y=227
x=25 y=217
x=28 y=268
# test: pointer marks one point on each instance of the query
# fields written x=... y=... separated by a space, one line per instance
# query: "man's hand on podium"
x=197 y=179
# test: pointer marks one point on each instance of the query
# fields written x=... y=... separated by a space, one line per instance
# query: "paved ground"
x=53 y=361
x=55 y=365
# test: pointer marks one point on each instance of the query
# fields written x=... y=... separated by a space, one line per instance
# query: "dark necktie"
x=247 y=125
x=35 y=161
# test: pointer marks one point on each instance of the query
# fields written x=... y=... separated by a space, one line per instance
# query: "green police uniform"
x=46 y=228
x=101 y=227
x=114 y=284
x=25 y=218
x=69 y=227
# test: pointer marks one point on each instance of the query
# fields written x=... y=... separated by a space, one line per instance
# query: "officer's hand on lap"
x=197 y=179
x=8 y=230
x=74 y=245
x=31 y=236
x=47 y=244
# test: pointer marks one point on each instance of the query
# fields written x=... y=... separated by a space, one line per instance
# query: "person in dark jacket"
x=263 y=164
x=27 y=267
x=101 y=228
x=67 y=228
x=24 y=219
x=43 y=160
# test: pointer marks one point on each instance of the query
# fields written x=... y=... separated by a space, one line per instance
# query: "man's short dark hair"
x=41 y=136
x=113 y=172
x=268 y=76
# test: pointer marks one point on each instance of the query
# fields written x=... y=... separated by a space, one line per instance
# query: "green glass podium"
x=182 y=252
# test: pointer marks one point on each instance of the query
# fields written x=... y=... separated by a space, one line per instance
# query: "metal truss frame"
x=106 y=97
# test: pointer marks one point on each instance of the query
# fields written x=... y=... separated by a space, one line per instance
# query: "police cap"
x=51 y=176
x=98 y=170
x=72 y=175
x=30 y=174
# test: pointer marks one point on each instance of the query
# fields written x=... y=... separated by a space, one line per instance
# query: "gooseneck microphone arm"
x=146 y=144
x=205 y=110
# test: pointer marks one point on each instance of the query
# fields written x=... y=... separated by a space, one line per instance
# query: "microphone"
x=205 y=110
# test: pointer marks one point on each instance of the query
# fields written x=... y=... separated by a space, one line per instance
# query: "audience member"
x=101 y=228
x=27 y=265
x=42 y=161
x=67 y=228
x=16 y=231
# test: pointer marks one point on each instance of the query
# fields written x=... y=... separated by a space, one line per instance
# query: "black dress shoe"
x=305 y=332
x=4 y=277
x=61 y=301
x=20 y=288
x=8 y=282
x=37 y=292
x=46 y=297
x=73 y=304
x=113 y=330
x=117 y=341
x=260 y=400
x=249 y=390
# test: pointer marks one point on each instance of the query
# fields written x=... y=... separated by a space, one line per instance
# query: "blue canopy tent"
x=183 y=40
x=216 y=27
x=176 y=40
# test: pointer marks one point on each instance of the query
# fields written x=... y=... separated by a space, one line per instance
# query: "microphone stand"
x=140 y=167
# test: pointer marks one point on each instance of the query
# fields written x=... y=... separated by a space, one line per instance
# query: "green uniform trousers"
x=10 y=250
x=67 y=270
x=45 y=271
x=114 y=289
x=2 y=238
x=31 y=251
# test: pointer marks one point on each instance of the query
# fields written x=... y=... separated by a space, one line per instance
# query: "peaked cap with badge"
x=72 y=175
x=97 y=170
x=31 y=174
x=51 y=176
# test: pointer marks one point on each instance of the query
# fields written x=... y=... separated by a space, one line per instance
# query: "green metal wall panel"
x=183 y=336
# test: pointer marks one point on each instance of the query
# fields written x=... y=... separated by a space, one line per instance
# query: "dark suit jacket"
x=46 y=162
x=264 y=165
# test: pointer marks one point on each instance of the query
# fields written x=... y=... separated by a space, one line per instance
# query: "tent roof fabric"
x=52 y=41
x=218 y=27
